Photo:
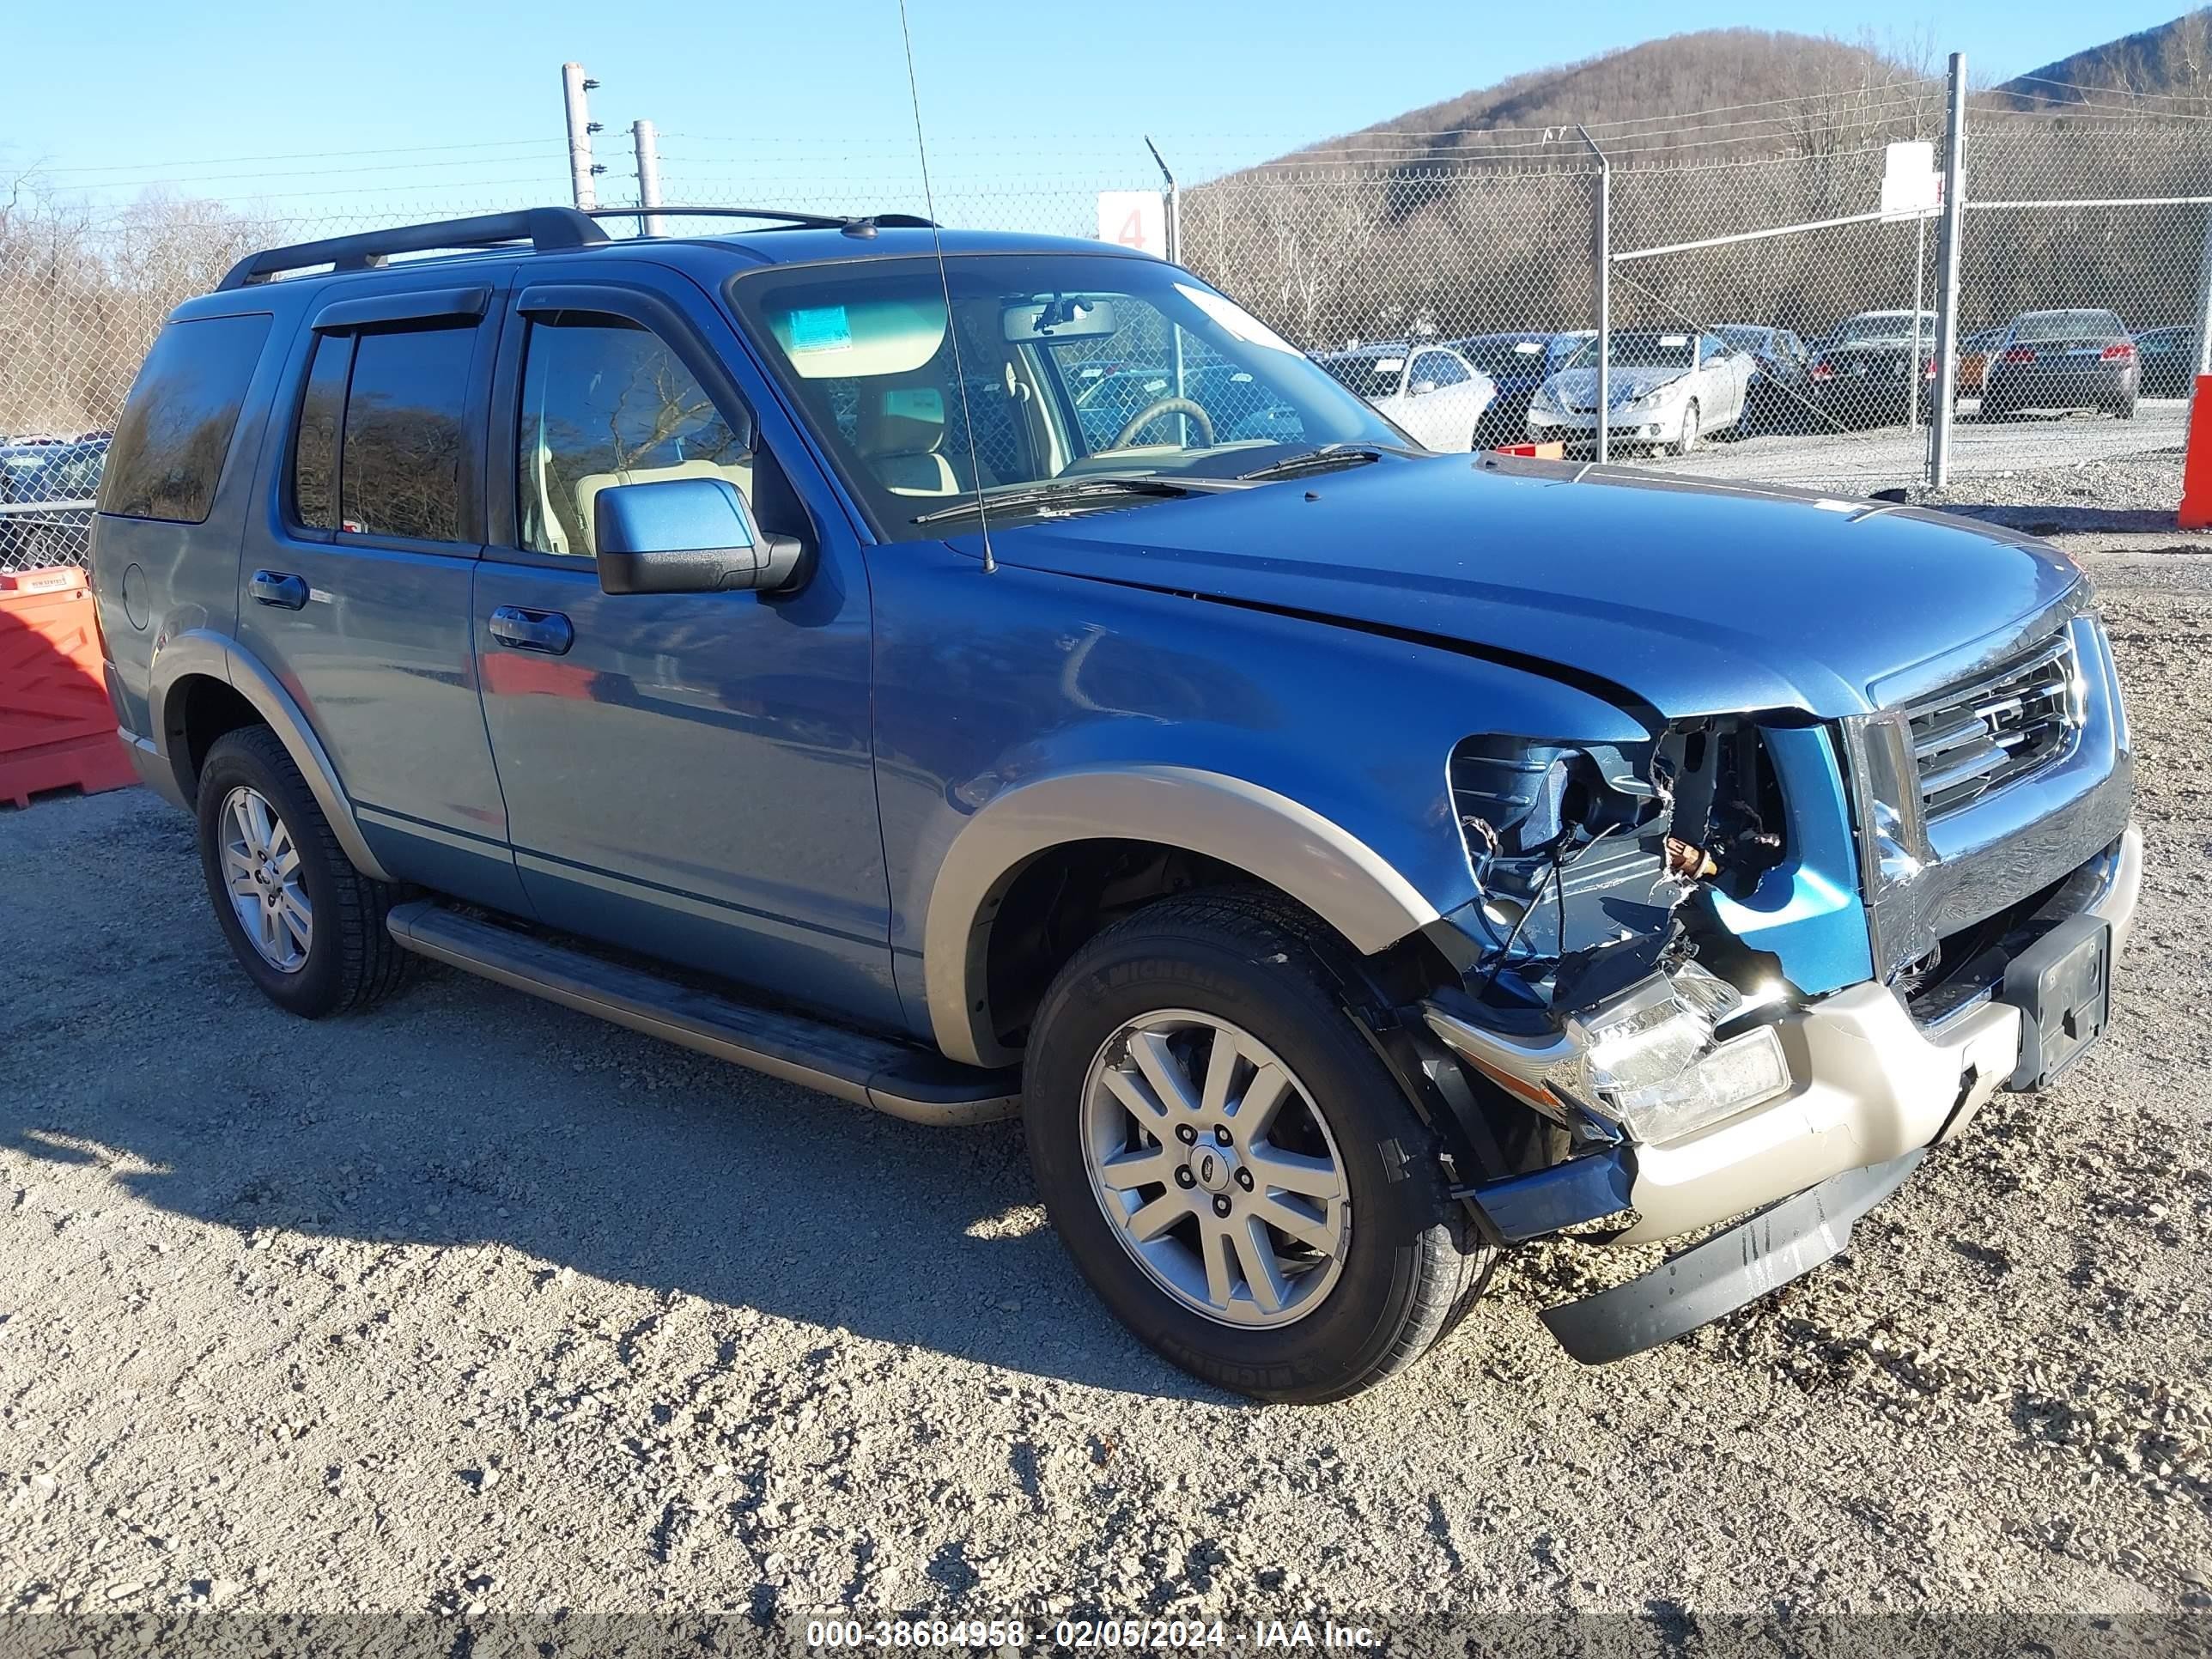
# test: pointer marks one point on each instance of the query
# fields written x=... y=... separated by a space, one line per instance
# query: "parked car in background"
x=1518 y=364
x=1866 y=372
x=1430 y=392
x=46 y=493
x=2169 y=356
x=1974 y=360
x=1669 y=388
x=1779 y=397
x=2061 y=360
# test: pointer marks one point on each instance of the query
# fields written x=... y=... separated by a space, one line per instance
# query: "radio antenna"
x=951 y=325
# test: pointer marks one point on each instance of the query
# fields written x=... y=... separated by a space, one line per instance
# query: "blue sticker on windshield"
x=821 y=328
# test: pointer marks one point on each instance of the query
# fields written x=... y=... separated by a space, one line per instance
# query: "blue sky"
x=400 y=103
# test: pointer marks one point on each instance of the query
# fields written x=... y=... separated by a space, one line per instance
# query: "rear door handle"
x=279 y=588
x=548 y=631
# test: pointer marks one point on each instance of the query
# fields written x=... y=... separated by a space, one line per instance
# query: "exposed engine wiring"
x=1557 y=876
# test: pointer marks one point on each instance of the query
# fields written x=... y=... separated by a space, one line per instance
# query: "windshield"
x=1644 y=349
x=1503 y=356
x=1072 y=368
x=1884 y=326
x=1746 y=339
x=2068 y=325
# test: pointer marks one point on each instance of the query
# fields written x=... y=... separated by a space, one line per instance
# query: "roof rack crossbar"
x=546 y=229
x=777 y=215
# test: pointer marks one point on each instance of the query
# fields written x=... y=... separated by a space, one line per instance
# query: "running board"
x=887 y=1076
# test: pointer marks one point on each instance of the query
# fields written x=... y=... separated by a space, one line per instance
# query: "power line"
x=297 y=155
x=199 y=179
x=2060 y=112
x=2113 y=92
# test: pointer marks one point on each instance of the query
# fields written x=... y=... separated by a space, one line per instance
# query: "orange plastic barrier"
x=1552 y=451
x=56 y=726
x=2196 y=460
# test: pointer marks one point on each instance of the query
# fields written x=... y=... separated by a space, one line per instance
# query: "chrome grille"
x=1972 y=738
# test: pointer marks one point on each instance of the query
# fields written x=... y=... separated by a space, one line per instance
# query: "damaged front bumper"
x=1870 y=1089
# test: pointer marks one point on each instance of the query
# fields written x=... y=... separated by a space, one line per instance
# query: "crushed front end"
x=1749 y=973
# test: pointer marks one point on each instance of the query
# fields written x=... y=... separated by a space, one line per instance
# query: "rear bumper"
x=2061 y=386
x=1877 y=1089
x=153 y=770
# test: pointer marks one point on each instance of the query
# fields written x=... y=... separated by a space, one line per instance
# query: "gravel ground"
x=475 y=1310
x=2139 y=458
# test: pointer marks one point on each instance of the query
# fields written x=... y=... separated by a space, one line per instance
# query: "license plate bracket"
x=2063 y=986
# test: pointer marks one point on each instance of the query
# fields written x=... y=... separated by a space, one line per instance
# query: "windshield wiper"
x=1330 y=458
x=1069 y=492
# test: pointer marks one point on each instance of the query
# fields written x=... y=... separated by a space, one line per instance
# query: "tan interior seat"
x=739 y=473
x=900 y=433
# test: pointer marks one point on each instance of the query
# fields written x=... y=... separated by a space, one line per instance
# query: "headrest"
x=906 y=420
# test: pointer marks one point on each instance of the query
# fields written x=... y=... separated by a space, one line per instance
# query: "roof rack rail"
x=546 y=229
x=862 y=224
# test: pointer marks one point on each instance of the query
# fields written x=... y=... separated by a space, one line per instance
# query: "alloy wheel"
x=261 y=872
x=1215 y=1169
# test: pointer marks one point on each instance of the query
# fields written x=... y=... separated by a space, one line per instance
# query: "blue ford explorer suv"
x=1350 y=862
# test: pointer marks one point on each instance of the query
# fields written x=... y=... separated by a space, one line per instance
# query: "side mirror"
x=1420 y=388
x=686 y=536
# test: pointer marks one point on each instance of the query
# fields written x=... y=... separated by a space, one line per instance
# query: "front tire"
x=1687 y=440
x=307 y=928
x=1233 y=1168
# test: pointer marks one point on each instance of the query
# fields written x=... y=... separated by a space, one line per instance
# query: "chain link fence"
x=1752 y=275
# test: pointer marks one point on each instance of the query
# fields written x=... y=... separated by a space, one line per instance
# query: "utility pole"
x=581 y=172
x=1947 y=278
x=648 y=145
x=1601 y=236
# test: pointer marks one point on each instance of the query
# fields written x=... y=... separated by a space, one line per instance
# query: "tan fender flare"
x=203 y=652
x=1288 y=845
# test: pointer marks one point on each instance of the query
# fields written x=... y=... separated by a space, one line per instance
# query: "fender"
x=203 y=651
x=1317 y=862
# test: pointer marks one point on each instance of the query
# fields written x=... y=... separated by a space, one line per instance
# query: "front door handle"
x=548 y=631
x=279 y=588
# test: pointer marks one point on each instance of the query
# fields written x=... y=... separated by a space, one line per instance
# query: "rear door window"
x=401 y=460
x=169 y=445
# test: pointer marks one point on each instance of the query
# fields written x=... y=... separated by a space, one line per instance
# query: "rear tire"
x=1386 y=1262
x=322 y=946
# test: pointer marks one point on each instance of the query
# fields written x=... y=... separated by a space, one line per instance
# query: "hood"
x=1580 y=385
x=1689 y=599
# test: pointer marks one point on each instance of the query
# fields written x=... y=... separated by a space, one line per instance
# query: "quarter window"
x=606 y=402
x=315 y=447
x=176 y=428
x=406 y=434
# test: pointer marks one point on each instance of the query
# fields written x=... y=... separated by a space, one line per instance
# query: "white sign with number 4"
x=1134 y=218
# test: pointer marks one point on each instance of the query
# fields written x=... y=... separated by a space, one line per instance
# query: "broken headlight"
x=1649 y=1058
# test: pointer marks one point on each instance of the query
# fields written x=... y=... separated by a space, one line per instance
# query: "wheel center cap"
x=1213 y=1166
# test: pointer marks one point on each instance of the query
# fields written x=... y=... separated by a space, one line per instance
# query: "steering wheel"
x=1151 y=412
